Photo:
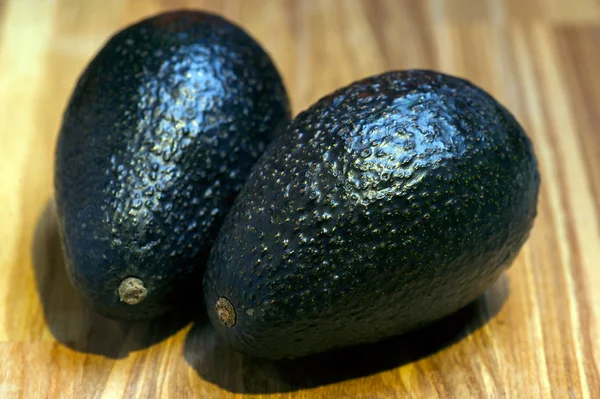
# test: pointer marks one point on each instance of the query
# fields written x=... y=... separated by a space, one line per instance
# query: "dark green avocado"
x=386 y=205
x=159 y=136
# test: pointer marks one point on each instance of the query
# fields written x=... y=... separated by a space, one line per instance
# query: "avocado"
x=388 y=204
x=157 y=139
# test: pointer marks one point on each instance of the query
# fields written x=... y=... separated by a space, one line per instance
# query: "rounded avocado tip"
x=226 y=312
x=132 y=291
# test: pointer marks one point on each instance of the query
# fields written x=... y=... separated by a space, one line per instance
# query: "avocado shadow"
x=70 y=320
x=216 y=362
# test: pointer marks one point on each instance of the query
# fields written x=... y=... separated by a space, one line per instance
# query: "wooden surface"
x=535 y=334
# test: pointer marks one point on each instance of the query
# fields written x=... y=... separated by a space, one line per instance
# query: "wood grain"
x=535 y=334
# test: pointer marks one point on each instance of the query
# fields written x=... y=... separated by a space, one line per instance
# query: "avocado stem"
x=132 y=291
x=225 y=312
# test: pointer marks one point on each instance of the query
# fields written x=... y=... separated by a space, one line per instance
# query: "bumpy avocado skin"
x=386 y=205
x=158 y=137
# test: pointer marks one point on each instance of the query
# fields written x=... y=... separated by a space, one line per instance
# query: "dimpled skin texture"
x=386 y=205
x=158 y=138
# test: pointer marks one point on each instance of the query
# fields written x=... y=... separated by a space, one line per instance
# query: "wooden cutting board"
x=535 y=334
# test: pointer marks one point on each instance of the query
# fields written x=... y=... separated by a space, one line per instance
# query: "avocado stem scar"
x=132 y=291
x=226 y=312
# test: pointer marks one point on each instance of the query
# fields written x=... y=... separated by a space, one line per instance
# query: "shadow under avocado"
x=215 y=362
x=70 y=320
